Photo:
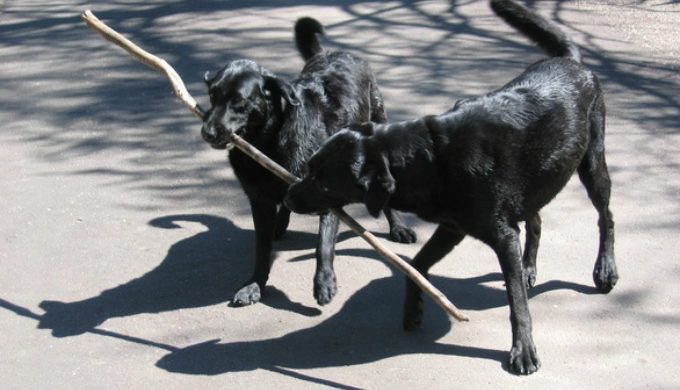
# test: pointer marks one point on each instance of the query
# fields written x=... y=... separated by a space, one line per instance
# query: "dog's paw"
x=605 y=275
x=403 y=235
x=524 y=359
x=530 y=276
x=325 y=286
x=247 y=295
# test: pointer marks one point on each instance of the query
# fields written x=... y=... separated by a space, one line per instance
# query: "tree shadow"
x=82 y=101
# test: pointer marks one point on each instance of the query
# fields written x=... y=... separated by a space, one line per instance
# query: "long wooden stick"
x=185 y=97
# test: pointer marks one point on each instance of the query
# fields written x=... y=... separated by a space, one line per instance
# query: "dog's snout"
x=212 y=133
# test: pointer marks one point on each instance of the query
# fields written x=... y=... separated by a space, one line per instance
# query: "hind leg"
x=533 y=235
x=595 y=177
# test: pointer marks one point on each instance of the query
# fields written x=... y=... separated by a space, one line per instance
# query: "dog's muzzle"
x=218 y=135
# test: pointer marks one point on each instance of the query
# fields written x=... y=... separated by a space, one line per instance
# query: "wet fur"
x=481 y=168
x=288 y=121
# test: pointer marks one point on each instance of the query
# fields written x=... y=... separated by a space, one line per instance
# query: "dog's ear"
x=378 y=183
x=208 y=77
x=280 y=89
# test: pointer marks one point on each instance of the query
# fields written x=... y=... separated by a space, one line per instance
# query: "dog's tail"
x=307 y=31
x=544 y=33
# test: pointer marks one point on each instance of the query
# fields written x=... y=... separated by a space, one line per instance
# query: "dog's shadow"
x=202 y=270
x=366 y=329
x=206 y=268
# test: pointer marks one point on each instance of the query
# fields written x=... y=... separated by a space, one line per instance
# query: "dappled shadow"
x=75 y=95
x=202 y=270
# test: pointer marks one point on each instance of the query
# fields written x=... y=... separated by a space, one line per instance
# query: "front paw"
x=530 y=276
x=325 y=286
x=247 y=295
x=524 y=359
x=403 y=234
x=605 y=275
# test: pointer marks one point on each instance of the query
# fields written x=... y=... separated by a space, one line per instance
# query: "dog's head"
x=350 y=167
x=243 y=98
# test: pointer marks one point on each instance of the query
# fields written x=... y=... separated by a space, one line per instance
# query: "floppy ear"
x=280 y=89
x=379 y=185
x=208 y=77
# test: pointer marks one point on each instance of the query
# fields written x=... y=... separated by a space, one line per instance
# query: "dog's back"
x=336 y=89
x=536 y=128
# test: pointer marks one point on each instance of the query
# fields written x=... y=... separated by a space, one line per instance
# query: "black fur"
x=288 y=121
x=481 y=168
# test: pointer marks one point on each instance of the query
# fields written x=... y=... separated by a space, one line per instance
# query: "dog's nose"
x=212 y=133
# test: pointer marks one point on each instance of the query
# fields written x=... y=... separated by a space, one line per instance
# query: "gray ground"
x=123 y=235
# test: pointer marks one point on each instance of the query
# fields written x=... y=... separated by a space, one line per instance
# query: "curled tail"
x=307 y=31
x=544 y=33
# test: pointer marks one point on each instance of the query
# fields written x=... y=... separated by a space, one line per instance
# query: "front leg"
x=325 y=285
x=442 y=242
x=523 y=357
x=263 y=219
x=399 y=232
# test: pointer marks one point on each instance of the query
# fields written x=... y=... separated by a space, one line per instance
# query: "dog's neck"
x=405 y=143
x=291 y=123
x=409 y=148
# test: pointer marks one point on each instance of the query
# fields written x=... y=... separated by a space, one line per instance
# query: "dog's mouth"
x=224 y=142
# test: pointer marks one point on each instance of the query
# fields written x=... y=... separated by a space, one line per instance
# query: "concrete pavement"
x=124 y=236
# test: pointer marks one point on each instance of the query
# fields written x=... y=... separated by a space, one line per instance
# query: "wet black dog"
x=288 y=121
x=481 y=168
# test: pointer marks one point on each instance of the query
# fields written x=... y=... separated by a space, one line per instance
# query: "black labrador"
x=481 y=168
x=288 y=121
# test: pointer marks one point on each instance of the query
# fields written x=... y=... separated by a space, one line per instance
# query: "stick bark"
x=185 y=97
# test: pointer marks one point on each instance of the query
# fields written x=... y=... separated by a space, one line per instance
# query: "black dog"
x=288 y=121
x=480 y=168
